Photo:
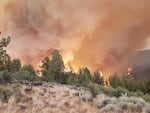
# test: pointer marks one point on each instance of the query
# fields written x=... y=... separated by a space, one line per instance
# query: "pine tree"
x=4 y=57
x=53 y=67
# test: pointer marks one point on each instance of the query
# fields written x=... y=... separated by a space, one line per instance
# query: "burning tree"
x=98 y=78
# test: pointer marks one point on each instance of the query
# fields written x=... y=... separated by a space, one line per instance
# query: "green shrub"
x=120 y=91
x=5 y=76
x=146 y=97
x=95 y=88
x=17 y=92
x=110 y=108
x=139 y=93
x=109 y=91
x=24 y=75
x=116 y=81
x=72 y=79
x=115 y=92
x=117 y=105
x=129 y=83
x=5 y=94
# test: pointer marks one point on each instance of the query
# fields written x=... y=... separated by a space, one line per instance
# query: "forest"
x=53 y=70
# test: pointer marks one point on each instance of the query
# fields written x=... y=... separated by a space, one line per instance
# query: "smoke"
x=98 y=34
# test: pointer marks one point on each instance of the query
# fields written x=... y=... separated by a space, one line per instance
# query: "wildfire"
x=101 y=73
x=129 y=71
x=69 y=66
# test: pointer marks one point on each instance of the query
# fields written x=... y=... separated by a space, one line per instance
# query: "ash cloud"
x=99 y=34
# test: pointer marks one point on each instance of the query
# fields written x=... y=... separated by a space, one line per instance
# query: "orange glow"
x=101 y=73
x=129 y=71
x=70 y=67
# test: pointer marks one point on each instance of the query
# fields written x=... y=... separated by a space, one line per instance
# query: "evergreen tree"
x=15 y=65
x=97 y=78
x=29 y=68
x=53 y=67
x=27 y=72
x=84 y=76
x=4 y=57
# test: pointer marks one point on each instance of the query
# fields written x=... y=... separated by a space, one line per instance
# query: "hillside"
x=55 y=98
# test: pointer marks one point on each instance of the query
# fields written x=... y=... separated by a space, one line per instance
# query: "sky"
x=98 y=34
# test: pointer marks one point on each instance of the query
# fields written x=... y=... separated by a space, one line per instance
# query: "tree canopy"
x=4 y=57
x=53 y=67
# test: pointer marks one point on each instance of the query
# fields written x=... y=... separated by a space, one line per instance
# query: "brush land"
x=61 y=90
x=57 y=98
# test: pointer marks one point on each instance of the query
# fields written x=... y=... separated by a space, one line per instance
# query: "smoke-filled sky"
x=99 y=34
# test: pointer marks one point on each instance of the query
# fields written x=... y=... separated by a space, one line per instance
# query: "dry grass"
x=48 y=99
x=54 y=98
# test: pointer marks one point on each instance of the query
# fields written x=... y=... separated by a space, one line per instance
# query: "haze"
x=98 y=34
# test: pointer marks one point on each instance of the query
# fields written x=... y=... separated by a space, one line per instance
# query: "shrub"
x=97 y=78
x=115 y=92
x=135 y=104
x=95 y=88
x=111 y=104
x=146 y=97
x=109 y=108
x=5 y=94
x=72 y=79
x=109 y=91
x=24 y=75
x=102 y=100
x=17 y=93
x=129 y=83
x=116 y=81
x=139 y=93
x=120 y=91
x=85 y=95
x=5 y=76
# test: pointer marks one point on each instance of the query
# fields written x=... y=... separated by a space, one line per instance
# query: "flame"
x=129 y=71
x=101 y=73
x=69 y=64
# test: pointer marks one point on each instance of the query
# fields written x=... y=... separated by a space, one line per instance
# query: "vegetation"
x=95 y=89
x=5 y=94
x=97 y=78
x=121 y=104
x=4 y=57
x=130 y=83
x=17 y=92
x=72 y=79
x=52 y=70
